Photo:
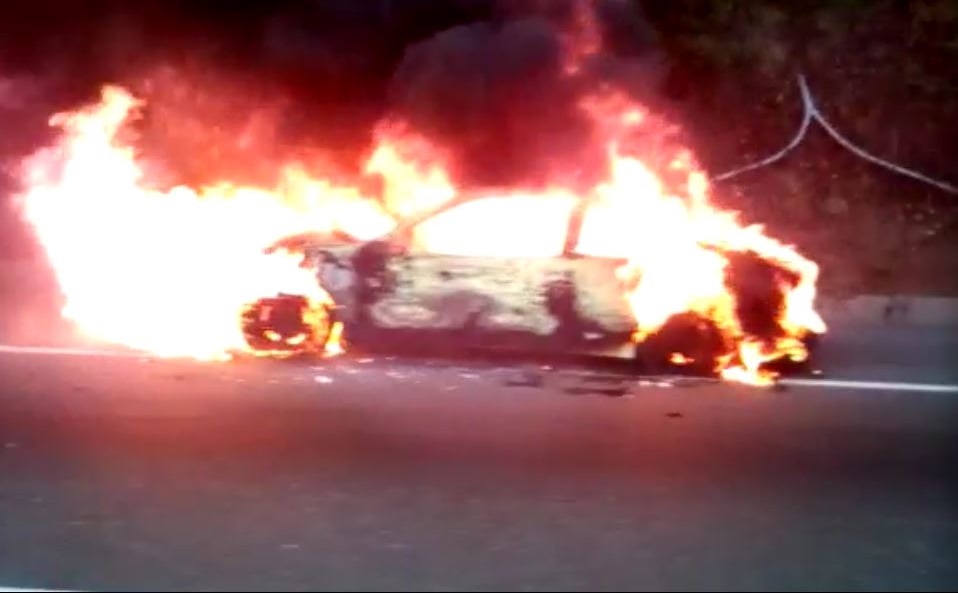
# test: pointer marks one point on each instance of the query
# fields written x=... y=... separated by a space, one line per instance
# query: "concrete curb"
x=891 y=310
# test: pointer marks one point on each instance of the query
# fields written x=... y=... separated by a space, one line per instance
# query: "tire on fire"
x=286 y=324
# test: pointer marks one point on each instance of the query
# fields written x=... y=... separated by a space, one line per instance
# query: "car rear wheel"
x=691 y=344
x=687 y=343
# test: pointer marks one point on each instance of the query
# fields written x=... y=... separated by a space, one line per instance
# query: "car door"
x=483 y=267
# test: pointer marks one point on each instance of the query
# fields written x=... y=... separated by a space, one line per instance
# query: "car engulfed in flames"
x=640 y=264
x=424 y=287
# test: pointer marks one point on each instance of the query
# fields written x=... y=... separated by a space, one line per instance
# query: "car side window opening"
x=513 y=226
x=604 y=232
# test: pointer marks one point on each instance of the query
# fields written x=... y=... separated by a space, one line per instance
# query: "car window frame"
x=403 y=232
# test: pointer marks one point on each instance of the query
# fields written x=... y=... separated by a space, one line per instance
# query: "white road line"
x=16 y=590
x=57 y=350
x=872 y=385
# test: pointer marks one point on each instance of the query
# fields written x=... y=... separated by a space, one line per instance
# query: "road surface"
x=120 y=473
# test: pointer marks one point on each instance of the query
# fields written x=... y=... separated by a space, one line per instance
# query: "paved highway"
x=118 y=472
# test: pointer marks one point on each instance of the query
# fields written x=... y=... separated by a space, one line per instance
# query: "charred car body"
x=395 y=294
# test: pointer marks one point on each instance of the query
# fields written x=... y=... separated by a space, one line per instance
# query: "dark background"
x=480 y=77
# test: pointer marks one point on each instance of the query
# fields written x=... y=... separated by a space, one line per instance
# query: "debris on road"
x=525 y=378
x=607 y=391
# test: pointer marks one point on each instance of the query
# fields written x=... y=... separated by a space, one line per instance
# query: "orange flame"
x=170 y=272
x=166 y=272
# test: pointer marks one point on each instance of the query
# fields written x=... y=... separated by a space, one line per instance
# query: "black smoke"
x=499 y=96
x=496 y=93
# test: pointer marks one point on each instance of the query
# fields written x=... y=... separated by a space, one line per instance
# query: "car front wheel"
x=286 y=324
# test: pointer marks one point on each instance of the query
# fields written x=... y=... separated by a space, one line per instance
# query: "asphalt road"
x=120 y=473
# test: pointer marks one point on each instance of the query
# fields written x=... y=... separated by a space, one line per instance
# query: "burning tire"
x=286 y=324
x=688 y=342
x=692 y=344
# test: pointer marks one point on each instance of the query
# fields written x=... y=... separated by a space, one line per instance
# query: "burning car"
x=416 y=288
x=637 y=263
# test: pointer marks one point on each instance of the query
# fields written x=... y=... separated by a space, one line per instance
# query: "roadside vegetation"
x=883 y=73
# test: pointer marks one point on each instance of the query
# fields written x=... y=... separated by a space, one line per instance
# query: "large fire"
x=172 y=271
